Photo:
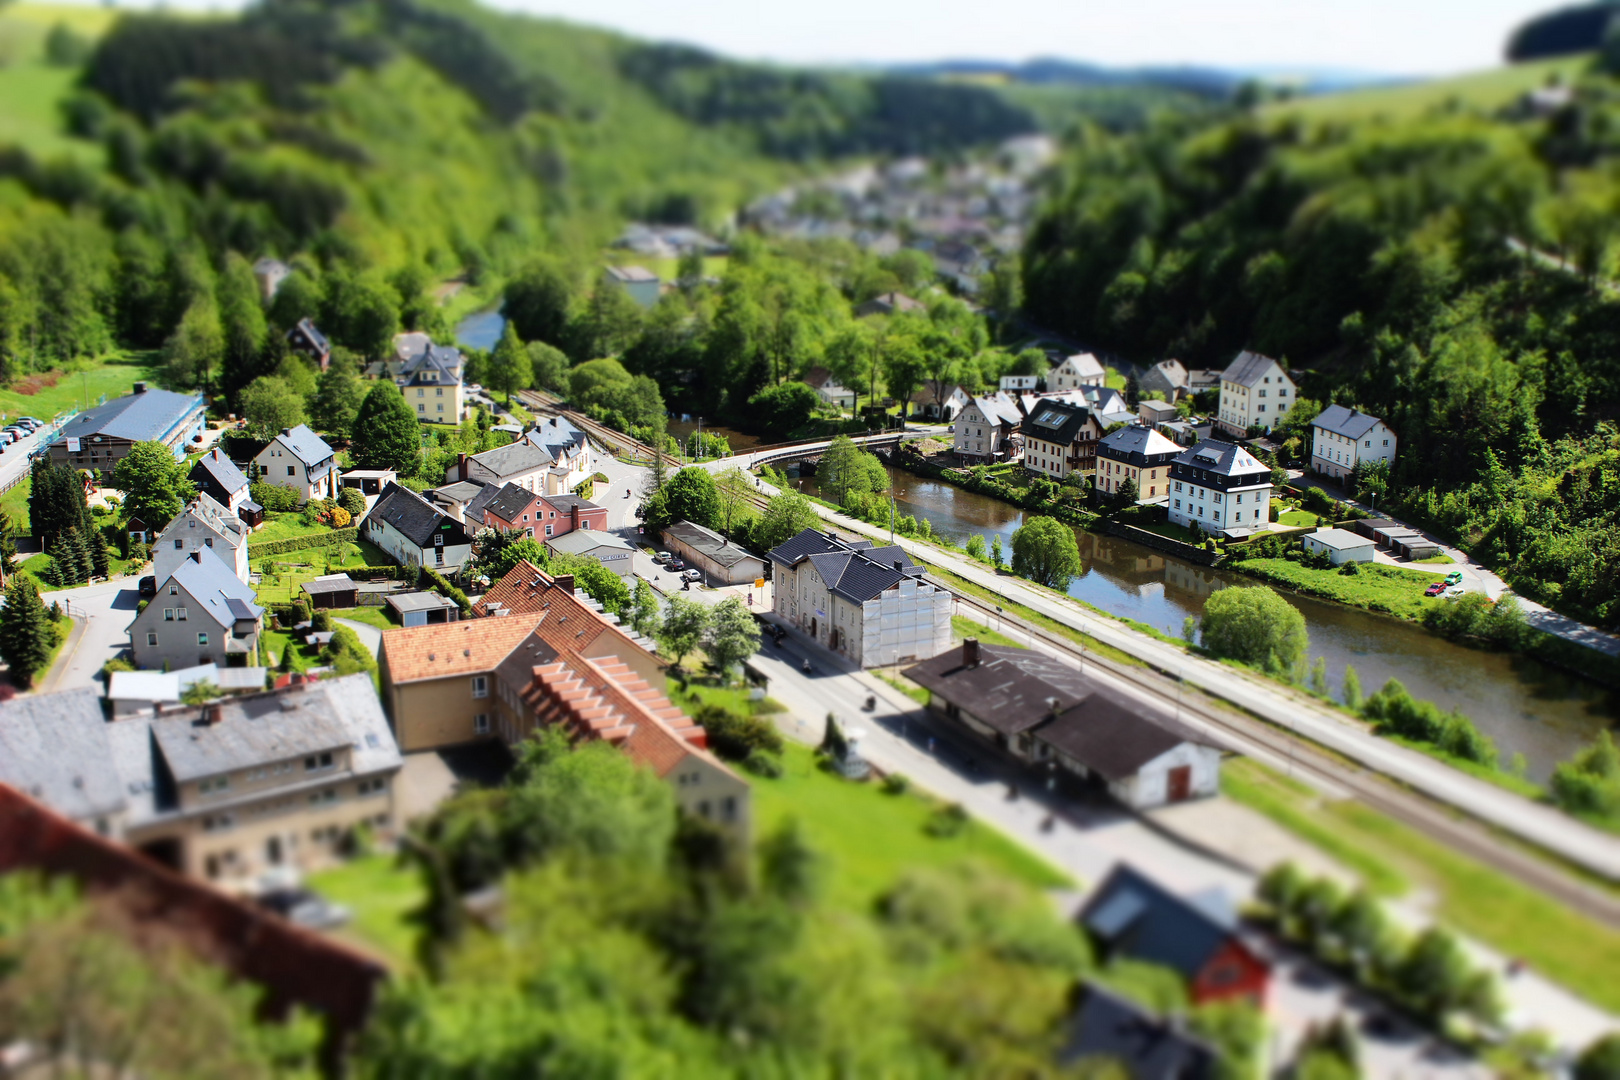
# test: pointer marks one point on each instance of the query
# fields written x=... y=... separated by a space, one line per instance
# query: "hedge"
x=448 y=590
x=299 y=543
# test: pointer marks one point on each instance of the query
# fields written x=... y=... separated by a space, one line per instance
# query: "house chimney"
x=899 y=566
x=214 y=714
x=970 y=652
x=461 y=466
x=565 y=582
x=140 y=388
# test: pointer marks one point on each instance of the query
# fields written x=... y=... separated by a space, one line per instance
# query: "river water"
x=1527 y=707
x=481 y=329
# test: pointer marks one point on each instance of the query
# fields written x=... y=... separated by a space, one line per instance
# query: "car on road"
x=148 y=585
x=306 y=908
x=1456 y=591
x=1454 y=578
x=1435 y=589
x=675 y=564
x=660 y=557
x=692 y=575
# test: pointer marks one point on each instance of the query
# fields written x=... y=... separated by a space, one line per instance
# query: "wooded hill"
x=1406 y=262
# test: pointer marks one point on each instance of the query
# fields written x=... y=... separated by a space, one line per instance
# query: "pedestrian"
x=930 y=745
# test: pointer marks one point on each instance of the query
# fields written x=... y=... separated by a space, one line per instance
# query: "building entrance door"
x=1180 y=783
x=813 y=627
x=272 y=850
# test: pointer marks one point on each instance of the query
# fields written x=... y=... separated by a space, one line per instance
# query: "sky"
x=1390 y=37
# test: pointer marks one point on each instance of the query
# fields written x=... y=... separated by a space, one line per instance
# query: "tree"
x=362 y=312
x=193 y=351
x=682 y=627
x=595 y=580
x=155 y=485
x=786 y=515
x=241 y=320
x=846 y=471
x=200 y=692
x=55 y=500
x=26 y=633
x=1365 y=935
x=270 y=405
x=339 y=391
x=851 y=359
x=644 y=609
x=509 y=367
x=1126 y=494
x=789 y=866
x=1257 y=627
x=904 y=367
x=548 y=367
x=734 y=491
x=996 y=556
x=732 y=635
x=386 y=433
x=691 y=496
x=540 y=301
x=608 y=325
x=1045 y=552
x=1436 y=979
x=100 y=557
x=1600 y=1061
x=1352 y=689
x=784 y=408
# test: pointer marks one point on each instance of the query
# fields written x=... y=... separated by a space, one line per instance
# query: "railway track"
x=1439 y=822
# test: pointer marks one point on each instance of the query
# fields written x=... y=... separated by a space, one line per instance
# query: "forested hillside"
x=382 y=147
x=1406 y=264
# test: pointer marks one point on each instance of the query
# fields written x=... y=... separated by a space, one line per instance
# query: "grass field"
x=382 y=895
x=962 y=627
x=1394 y=590
x=30 y=90
x=870 y=838
x=1299 y=519
x=48 y=393
x=1568 y=948
x=1482 y=90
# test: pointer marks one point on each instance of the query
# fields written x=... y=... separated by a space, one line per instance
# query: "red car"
x=1436 y=589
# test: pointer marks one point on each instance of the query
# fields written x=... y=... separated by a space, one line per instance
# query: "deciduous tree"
x=339 y=391
x=155 y=485
x=1258 y=627
x=682 y=627
x=386 y=433
x=509 y=367
x=732 y=635
x=270 y=404
x=1045 y=551
x=786 y=515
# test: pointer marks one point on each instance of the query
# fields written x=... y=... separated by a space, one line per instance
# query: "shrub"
x=763 y=764
x=737 y=738
x=321 y=621
x=353 y=501
x=273 y=497
x=896 y=784
x=947 y=821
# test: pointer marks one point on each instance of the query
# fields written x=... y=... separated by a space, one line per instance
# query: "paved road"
x=102 y=614
x=1539 y=825
x=1088 y=837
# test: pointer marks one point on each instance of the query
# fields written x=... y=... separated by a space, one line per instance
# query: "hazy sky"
x=1390 y=36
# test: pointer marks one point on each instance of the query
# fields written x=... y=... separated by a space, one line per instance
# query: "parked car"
x=1456 y=591
x=661 y=557
x=306 y=908
x=675 y=564
x=692 y=575
x=1454 y=578
x=148 y=585
x=1436 y=589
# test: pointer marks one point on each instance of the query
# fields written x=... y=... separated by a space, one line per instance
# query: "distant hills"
x=1209 y=82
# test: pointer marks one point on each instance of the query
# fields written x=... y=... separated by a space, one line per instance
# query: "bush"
x=273 y=497
x=117 y=663
x=947 y=821
x=447 y=590
x=353 y=501
x=896 y=784
x=763 y=765
x=1589 y=783
x=737 y=738
x=321 y=621
x=1397 y=712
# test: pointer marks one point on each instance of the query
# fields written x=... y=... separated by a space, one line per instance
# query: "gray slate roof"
x=462 y=491
x=222 y=469
x=711 y=543
x=1056 y=421
x=329 y=583
x=514 y=459
x=143 y=417
x=808 y=542
x=1136 y=917
x=1247 y=369
x=1108 y=1026
x=419 y=601
x=1010 y=688
x=1114 y=739
x=223 y=596
x=54 y=748
x=857 y=573
x=581 y=541
x=510 y=501
x=1350 y=423
x=415 y=517
x=442 y=361
x=1223 y=459
x=306 y=446
x=1137 y=445
x=568 y=502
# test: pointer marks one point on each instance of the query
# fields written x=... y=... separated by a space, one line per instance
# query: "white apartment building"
x=1220 y=488
x=1081 y=369
x=1255 y=392
x=203 y=524
x=1341 y=437
x=985 y=430
x=867 y=603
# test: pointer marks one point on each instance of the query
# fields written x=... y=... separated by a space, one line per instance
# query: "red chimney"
x=461 y=466
x=565 y=582
x=214 y=714
x=970 y=652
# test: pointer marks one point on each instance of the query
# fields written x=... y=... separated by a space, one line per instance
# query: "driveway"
x=102 y=614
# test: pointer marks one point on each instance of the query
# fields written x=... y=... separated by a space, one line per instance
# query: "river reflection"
x=1528 y=708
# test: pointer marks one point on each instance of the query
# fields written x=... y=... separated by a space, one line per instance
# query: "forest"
x=1449 y=271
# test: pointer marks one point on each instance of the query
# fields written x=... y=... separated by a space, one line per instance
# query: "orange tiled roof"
x=459 y=648
x=569 y=622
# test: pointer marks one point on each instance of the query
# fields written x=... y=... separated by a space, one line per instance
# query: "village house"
x=100 y=437
x=1341 y=438
x=939 y=401
x=1153 y=413
x=987 y=431
x=608 y=549
x=413 y=532
x=537 y=656
x=1255 y=393
x=1081 y=369
x=637 y=282
x=218 y=477
x=572 y=459
x=720 y=561
x=1136 y=454
x=1133 y=917
x=542 y=469
x=1019 y=384
x=829 y=389
x=306 y=340
x=227 y=791
x=202 y=614
x=1106 y=1026
x=517 y=509
x=868 y=603
x=299 y=459
x=1043 y=710
x=1060 y=440
x=133 y=693
x=889 y=303
x=1167 y=377
x=464 y=500
x=204 y=523
x=431 y=383
x=1220 y=488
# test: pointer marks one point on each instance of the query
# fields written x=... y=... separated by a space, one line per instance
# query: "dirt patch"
x=33 y=384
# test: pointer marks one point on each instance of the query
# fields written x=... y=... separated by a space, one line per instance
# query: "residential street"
x=102 y=613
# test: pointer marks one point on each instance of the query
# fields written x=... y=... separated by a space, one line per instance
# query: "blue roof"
x=307 y=446
x=222 y=469
x=148 y=416
x=212 y=584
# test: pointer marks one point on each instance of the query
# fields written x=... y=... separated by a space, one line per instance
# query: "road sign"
x=759 y=583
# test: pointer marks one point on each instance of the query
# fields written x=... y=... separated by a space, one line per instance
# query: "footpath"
x=1541 y=826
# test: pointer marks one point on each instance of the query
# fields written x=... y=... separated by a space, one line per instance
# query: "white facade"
x=1340 y=545
x=1016 y=383
x=1337 y=447
x=202 y=524
x=1149 y=786
x=911 y=620
x=1081 y=369
x=1200 y=506
x=1255 y=392
x=984 y=429
x=281 y=465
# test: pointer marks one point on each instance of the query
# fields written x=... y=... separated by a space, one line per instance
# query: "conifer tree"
x=100 y=557
x=81 y=555
x=26 y=633
x=53 y=573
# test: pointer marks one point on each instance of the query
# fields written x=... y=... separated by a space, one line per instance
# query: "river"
x=481 y=329
x=1527 y=707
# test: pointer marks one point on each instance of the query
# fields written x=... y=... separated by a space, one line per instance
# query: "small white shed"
x=1340 y=545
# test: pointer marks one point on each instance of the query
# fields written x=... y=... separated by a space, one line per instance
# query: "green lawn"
x=1394 y=590
x=46 y=394
x=1563 y=945
x=1483 y=90
x=869 y=838
x=370 y=616
x=1298 y=519
x=382 y=895
x=285 y=526
x=1435 y=560
x=14 y=504
x=964 y=627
